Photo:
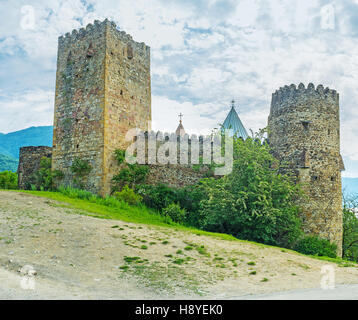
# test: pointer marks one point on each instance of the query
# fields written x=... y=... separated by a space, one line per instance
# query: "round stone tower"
x=304 y=133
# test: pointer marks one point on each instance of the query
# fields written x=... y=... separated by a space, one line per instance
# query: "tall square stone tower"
x=103 y=89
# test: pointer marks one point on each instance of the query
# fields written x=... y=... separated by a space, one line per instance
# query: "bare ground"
x=81 y=257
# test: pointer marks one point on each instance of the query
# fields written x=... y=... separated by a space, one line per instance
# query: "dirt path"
x=80 y=257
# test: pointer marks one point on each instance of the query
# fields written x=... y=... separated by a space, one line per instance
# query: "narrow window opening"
x=305 y=125
x=90 y=51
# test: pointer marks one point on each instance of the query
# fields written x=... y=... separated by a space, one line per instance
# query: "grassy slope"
x=126 y=213
x=143 y=215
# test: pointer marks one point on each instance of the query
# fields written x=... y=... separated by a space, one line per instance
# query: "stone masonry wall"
x=29 y=163
x=79 y=103
x=102 y=90
x=304 y=132
x=127 y=95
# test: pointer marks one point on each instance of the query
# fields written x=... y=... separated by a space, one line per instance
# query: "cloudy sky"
x=204 y=53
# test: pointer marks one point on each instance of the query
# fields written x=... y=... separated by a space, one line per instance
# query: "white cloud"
x=204 y=53
x=33 y=108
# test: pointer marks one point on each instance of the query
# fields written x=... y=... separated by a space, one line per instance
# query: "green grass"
x=131 y=259
x=110 y=208
x=178 y=261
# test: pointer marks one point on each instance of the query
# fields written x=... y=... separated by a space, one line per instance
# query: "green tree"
x=8 y=180
x=254 y=202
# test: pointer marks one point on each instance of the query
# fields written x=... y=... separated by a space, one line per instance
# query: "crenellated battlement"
x=98 y=28
x=291 y=95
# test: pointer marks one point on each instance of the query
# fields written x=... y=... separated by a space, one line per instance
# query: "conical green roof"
x=234 y=124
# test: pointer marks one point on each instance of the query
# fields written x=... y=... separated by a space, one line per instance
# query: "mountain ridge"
x=10 y=144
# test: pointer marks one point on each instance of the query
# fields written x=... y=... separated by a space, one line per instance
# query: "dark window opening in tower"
x=329 y=131
x=130 y=52
x=333 y=178
x=306 y=125
x=69 y=57
x=314 y=178
x=90 y=51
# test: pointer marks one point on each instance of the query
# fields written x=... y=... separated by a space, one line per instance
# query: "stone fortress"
x=103 y=89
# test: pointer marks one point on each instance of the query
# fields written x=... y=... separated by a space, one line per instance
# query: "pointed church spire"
x=180 y=130
x=234 y=124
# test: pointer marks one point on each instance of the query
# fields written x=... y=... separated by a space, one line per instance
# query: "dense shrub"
x=42 y=178
x=175 y=213
x=8 y=180
x=157 y=196
x=80 y=169
x=129 y=174
x=188 y=198
x=316 y=246
x=128 y=195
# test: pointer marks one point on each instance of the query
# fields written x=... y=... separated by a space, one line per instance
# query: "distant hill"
x=10 y=144
x=350 y=186
x=8 y=163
